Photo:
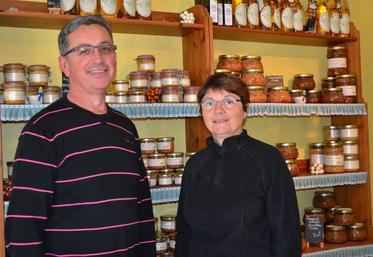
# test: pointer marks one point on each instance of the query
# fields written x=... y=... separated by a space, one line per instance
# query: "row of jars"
x=36 y=75
x=18 y=93
x=159 y=161
x=165 y=177
x=164 y=78
x=165 y=234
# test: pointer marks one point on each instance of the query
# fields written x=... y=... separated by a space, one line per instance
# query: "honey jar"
x=190 y=94
x=121 y=85
x=344 y=217
x=349 y=132
x=323 y=199
x=313 y=96
x=165 y=144
x=175 y=160
x=331 y=133
x=288 y=150
x=145 y=63
x=51 y=94
x=13 y=72
x=279 y=95
x=184 y=77
x=347 y=83
x=337 y=60
x=357 y=232
x=165 y=178
x=148 y=145
x=138 y=79
x=293 y=167
x=168 y=223
x=298 y=96
x=14 y=93
x=251 y=62
x=350 y=147
x=352 y=163
x=229 y=61
x=156 y=161
x=152 y=176
x=161 y=243
x=136 y=96
x=170 y=95
x=170 y=78
x=328 y=82
x=38 y=75
x=253 y=77
x=335 y=234
x=333 y=157
x=304 y=81
x=333 y=95
x=257 y=94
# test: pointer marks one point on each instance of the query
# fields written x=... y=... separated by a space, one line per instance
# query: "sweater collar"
x=230 y=143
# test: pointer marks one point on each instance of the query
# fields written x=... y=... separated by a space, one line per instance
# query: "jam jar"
x=357 y=232
x=191 y=94
x=121 y=85
x=14 y=93
x=13 y=72
x=253 y=77
x=298 y=96
x=165 y=178
x=51 y=94
x=161 y=243
x=156 y=161
x=279 y=95
x=333 y=95
x=148 y=145
x=155 y=80
x=328 y=82
x=335 y=234
x=168 y=223
x=349 y=132
x=136 y=96
x=229 y=61
x=304 y=81
x=344 y=217
x=251 y=62
x=145 y=63
x=170 y=95
x=170 y=78
x=257 y=94
x=337 y=60
x=350 y=147
x=348 y=84
x=165 y=144
x=38 y=75
x=293 y=167
x=288 y=150
x=184 y=77
x=313 y=96
x=352 y=163
x=314 y=211
x=329 y=213
x=138 y=79
x=175 y=160
x=333 y=157
x=152 y=176
x=331 y=133
x=323 y=199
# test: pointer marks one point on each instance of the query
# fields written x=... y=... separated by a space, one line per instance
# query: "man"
x=80 y=187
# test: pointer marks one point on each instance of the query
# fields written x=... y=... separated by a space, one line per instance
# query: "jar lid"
x=145 y=56
x=291 y=161
x=328 y=79
x=175 y=154
x=317 y=145
x=135 y=74
x=151 y=172
x=147 y=140
x=162 y=139
x=247 y=57
x=303 y=75
x=297 y=91
x=179 y=170
x=344 y=76
x=168 y=217
x=313 y=210
x=10 y=85
x=13 y=66
x=123 y=81
x=229 y=56
x=330 y=127
x=250 y=88
x=287 y=144
x=278 y=89
x=333 y=144
x=156 y=155
x=351 y=157
x=38 y=67
x=338 y=47
x=188 y=154
x=349 y=126
x=333 y=89
x=313 y=91
x=344 y=210
x=252 y=71
x=350 y=142
x=357 y=225
x=334 y=228
x=228 y=71
x=324 y=193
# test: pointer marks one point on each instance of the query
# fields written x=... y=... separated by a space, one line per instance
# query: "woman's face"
x=223 y=114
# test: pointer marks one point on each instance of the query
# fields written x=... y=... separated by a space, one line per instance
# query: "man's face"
x=94 y=72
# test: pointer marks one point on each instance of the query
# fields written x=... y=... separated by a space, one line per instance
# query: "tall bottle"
x=266 y=15
x=70 y=7
x=128 y=9
x=228 y=13
x=212 y=7
x=253 y=14
x=220 y=12
x=335 y=26
x=239 y=13
x=109 y=8
x=287 y=19
x=87 y=7
x=311 y=16
x=298 y=16
x=144 y=9
x=275 y=15
x=322 y=18
x=344 y=15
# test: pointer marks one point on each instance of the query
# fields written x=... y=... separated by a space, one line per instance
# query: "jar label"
x=298 y=20
x=146 y=66
x=14 y=77
x=324 y=22
x=265 y=16
x=190 y=98
x=14 y=95
x=287 y=18
x=161 y=246
x=345 y=24
x=139 y=83
x=169 y=81
x=185 y=82
x=335 y=27
x=172 y=244
x=148 y=146
x=137 y=99
x=122 y=99
x=317 y=159
x=350 y=133
x=352 y=165
x=88 y=6
x=38 y=77
x=240 y=14
x=228 y=14
x=351 y=149
x=171 y=98
x=143 y=7
x=165 y=181
x=110 y=98
x=168 y=225
x=334 y=160
x=108 y=6
x=156 y=162
x=178 y=180
x=50 y=98
x=337 y=63
x=173 y=161
x=277 y=17
x=349 y=90
x=67 y=5
x=253 y=14
x=164 y=146
x=156 y=83
x=130 y=7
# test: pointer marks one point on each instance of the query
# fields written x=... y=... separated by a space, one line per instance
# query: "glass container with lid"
x=279 y=95
x=349 y=132
x=14 y=92
x=344 y=217
x=357 y=232
x=51 y=94
x=171 y=95
x=38 y=75
x=304 y=81
x=288 y=150
x=13 y=72
x=328 y=82
x=251 y=62
x=298 y=96
x=257 y=94
x=333 y=95
x=165 y=144
x=323 y=199
x=170 y=78
x=352 y=163
x=121 y=85
x=148 y=145
x=337 y=60
x=349 y=88
x=334 y=159
x=145 y=63
x=331 y=133
x=229 y=61
x=253 y=77
x=313 y=96
x=156 y=161
x=293 y=167
x=138 y=79
x=168 y=223
x=335 y=234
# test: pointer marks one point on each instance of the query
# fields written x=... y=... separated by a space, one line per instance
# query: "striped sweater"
x=80 y=187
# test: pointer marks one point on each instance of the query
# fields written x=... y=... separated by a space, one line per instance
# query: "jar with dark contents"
x=333 y=157
x=347 y=83
x=344 y=217
x=337 y=60
x=331 y=133
x=172 y=241
x=251 y=62
x=168 y=223
x=229 y=61
x=329 y=214
x=357 y=232
x=293 y=167
x=328 y=82
x=335 y=234
x=288 y=150
x=279 y=95
x=257 y=94
x=323 y=199
x=314 y=211
x=333 y=95
x=253 y=77
x=298 y=96
x=304 y=81
x=161 y=243
x=313 y=96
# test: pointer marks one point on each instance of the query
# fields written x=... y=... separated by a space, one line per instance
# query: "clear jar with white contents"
x=13 y=72
x=155 y=80
x=316 y=151
x=148 y=145
x=190 y=94
x=110 y=97
x=349 y=132
x=168 y=223
x=170 y=95
x=14 y=93
x=121 y=97
x=184 y=77
x=165 y=178
x=156 y=161
x=350 y=147
x=175 y=160
x=136 y=96
x=121 y=85
x=169 y=77
x=352 y=163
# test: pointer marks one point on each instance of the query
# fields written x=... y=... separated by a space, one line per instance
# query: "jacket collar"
x=230 y=143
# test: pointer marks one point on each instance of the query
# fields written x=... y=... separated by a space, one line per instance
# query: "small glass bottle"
x=335 y=26
x=322 y=18
x=351 y=147
x=144 y=9
x=275 y=15
x=253 y=14
x=228 y=13
x=287 y=19
x=87 y=7
x=165 y=178
x=298 y=16
x=109 y=8
x=239 y=13
x=344 y=15
x=310 y=26
x=161 y=243
x=69 y=7
x=266 y=15
x=128 y=9
x=152 y=176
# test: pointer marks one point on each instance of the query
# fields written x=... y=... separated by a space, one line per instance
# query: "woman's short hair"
x=231 y=84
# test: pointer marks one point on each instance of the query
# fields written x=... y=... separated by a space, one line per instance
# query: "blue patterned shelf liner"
x=183 y=110
x=353 y=251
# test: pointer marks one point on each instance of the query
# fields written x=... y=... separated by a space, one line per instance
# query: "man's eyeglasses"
x=86 y=50
x=226 y=103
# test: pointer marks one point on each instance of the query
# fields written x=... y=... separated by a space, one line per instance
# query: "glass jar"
x=145 y=63
x=253 y=77
x=38 y=75
x=337 y=60
x=349 y=132
x=187 y=156
x=128 y=9
x=352 y=163
x=328 y=82
x=316 y=151
x=257 y=94
x=148 y=145
x=313 y=96
x=335 y=234
x=169 y=77
x=178 y=176
x=152 y=176
x=357 y=232
x=13 y=72
x=161 y=243
x=121 y=97
x=172 y=242
x=314 y=211
x=293 y=167
x=165 y=178
x=138 y=79
x=288 y=150
x=170 y=95
x=350 y=147
x=347 y=83
x=144 y=9
x=323 y=199
x=168 y=223
x=121 y=85
x=229 y=61
x=251 y=62
x=333 y=95
x=184 y=77
x=35 y=95
x=136 y=96
x=156 y=161
x=165 y=144
x=304 y=81
x=225 y=71
x=331 y=133
x=110 y=97
x=14 y=93
x=344 y=217
x=175 y=160
x=155 y=80
x=144 y=158
x=51 y=94
x=279 y=95
x=87 y=7
x=298 y=96
x=329 y=213
x=334 y=160
x=191 y=94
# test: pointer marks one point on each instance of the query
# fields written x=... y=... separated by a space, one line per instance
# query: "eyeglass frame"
x=75 y=49
x=235 y=100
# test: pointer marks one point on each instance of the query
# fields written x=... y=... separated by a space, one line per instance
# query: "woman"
x=237 y=196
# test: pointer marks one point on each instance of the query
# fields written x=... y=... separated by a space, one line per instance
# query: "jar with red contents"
x=251 y=62
x=313 y=96
x=333 y=95
x=304 y=81
x=253 y=77
x=347 y=83
x=337 y=60
x=229 y=61
x=328 y=82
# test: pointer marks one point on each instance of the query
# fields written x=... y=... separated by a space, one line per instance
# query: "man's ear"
x=64 y=65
